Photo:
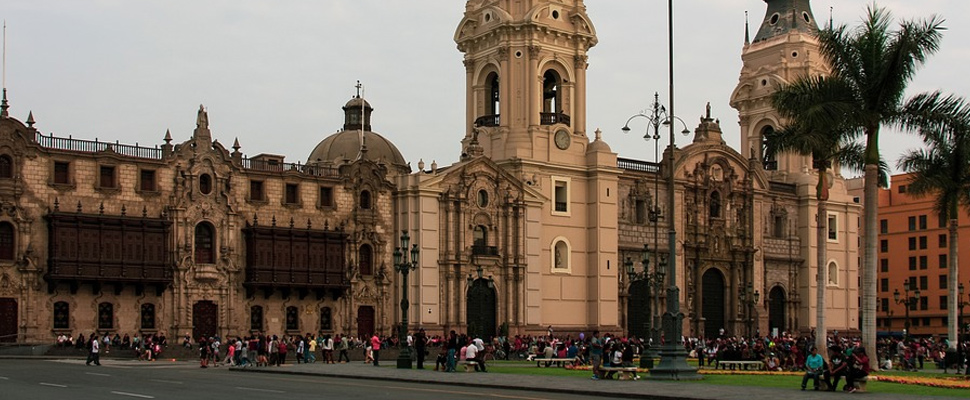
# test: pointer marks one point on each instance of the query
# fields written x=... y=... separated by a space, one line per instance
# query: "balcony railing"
x=274 y=166
x=488 y=120
x=94 y=146
x=479 y=250
x=637 y=165
x=553 y=118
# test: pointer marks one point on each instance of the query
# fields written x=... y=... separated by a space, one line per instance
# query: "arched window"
x=365 y=202
x=326 y=319
x=106 y=316
x=551 y=85
x=292 y=318
x=494 y=102
x=204 y=239
x=770 y=163
x=833 y=272
x=6 y=167
x=205 y=184
x=62 y=315
x=480 y=236
x=147 y=316
x=715 y=205
x=6 y=241
x=366 y=257
x=560 y=256
x=256 y=318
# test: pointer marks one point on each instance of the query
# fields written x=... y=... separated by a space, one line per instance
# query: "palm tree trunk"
x=953 y=332
x=868 y=269
x=821 y=333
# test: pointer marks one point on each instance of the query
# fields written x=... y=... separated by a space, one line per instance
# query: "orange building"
x=913 y=252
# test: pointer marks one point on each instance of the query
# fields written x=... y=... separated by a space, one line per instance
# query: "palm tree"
x=871 y=66
x=826 y=145
x=942 y=169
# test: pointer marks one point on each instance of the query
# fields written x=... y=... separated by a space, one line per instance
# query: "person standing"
x=343 y=344
x=328 y=350
x=813 y=368
x=420 y=345
x=281 y=358
x=375 y=344
x=203 y=353
x=94 y=356
x=311 y=349
x=596 y=354
x=452 y=349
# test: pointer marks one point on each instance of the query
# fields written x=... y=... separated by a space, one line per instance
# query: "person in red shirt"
x=375 y=343
x=858 y=367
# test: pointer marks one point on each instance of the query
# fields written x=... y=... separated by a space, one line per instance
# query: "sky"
x=275 y=74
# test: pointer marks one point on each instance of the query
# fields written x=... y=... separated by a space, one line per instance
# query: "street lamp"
x=908 y=302
x=749 y=298
x=960 y=304
x=404 y=266
x=654 y=282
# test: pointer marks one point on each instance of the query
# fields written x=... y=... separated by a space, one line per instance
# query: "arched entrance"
x=638 y=309
x=480 y=309
x=365 y=321
x=205 y=319
x=714 y=302
x=776 y=309
x=8 y=320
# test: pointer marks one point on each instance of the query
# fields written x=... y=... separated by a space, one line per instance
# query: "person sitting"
x=548 y=353
x=837 y=368
x=813 y=368
x=858 y=368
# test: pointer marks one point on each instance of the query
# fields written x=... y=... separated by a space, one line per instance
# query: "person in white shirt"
x=95 y=355
x=471 y=354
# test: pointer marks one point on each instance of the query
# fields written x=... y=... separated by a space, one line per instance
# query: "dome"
x=345 y=145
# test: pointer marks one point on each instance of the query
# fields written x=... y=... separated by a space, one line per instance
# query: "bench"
x=558 y=361
x=860 y=384
x=759 y=365
x=626 y=373
x=469 y=365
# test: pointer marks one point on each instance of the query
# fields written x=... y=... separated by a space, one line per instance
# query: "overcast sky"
x=275 y=73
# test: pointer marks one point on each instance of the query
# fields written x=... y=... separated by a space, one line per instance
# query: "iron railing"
x=94 y=146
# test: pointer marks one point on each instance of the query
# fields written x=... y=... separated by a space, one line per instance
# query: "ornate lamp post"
x=749 y=298
x=960 y=304
x=404 y=266
x=654 y=281
x=908 y=302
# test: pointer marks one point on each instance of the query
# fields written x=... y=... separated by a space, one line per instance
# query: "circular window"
x=794 y=54
x=806 y=17
x=518 y=54
x=488 y=17
x=555 y=15
x=482 y=198
x=774 y=19
x=205 y=184
x=764 y=82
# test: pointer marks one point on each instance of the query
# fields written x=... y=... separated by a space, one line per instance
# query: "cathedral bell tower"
x=784 y=49
x=525 y=63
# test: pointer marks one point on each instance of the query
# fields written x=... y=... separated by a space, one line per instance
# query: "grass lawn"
x=770 y=381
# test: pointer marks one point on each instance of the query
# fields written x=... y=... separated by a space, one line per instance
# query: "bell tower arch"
x=784 y=49
x=525 y=65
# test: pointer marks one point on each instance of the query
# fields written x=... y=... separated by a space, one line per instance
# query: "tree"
x=942 y=169
x=870 y=68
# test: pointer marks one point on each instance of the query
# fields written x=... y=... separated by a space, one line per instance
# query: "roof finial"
x=747 y=30
x=3 y=105
x=831 y=18
x=359 y=86
x=30 y=119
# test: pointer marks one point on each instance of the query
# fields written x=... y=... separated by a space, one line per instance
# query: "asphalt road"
x=121 y=380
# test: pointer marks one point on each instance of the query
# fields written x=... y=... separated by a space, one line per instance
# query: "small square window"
x=924 y=283
x=883 y=226
x=884 y=265
x=884 y=285
x=924 y=304
x=943 y=261
x=922 y=242
x=924 y=262
x=292 y=194
x=902 y=188
x=833 y=227
x=256 y=191
x=942 y=240
x=922 y=222
x=326 y=196
x=560 y=196
x=943 y=281
x=883 y=246
x=912 y=223
x=943 y=303
x=912 y=243
x=62 y=173
x=107 y=177
x=912 y=263
x=147 y=180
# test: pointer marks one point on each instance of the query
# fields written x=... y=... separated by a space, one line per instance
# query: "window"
x=780 y=225
x=62 y=173
x=912 y=263
x=923 y=262
x=560 y=196
x=902 y=188
x=883 y=246
x=885 y=304
x=943 y=303
x=326 y=319
x=641 y=211
x=912 y=243
x=884 y=285
x=833 y=274
x=494 y=105
x=204 y=239
x=833 y=227
x=922 y=222
x=715 y=206
x=942 y=240
x=365 y=201
x=922 y=242
x=924 y=304
x=256 y=318
x=256 y=191
x=560 y=255
x=107 y=177
x=924 y=283
x=326 y=196
x=365 y=256
x=147 y=180
x=6 y=241
x=883 y=226
x=943 y=261
x=147 y=316
x=943 y=281
x=482 y=198
x=106 y=316
x=292 y=194
x=480 y=236
x=884 y=265
x=205 y=184
x=942 y=220
x=912 y=223
x=62 y=315
x=6 y=167
x=292 y=318
x=551 y=97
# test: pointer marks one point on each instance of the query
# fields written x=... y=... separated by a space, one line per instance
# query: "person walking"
x=94 y=356
x=328 y=350
x=813 y=368
x=343 y=344
x=375 y=344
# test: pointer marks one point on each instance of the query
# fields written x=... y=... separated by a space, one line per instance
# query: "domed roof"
x=345 y=145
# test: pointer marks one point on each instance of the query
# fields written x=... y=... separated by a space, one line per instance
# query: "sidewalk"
x=642 y=389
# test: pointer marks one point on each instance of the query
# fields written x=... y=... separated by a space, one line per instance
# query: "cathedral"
x=537 y=225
